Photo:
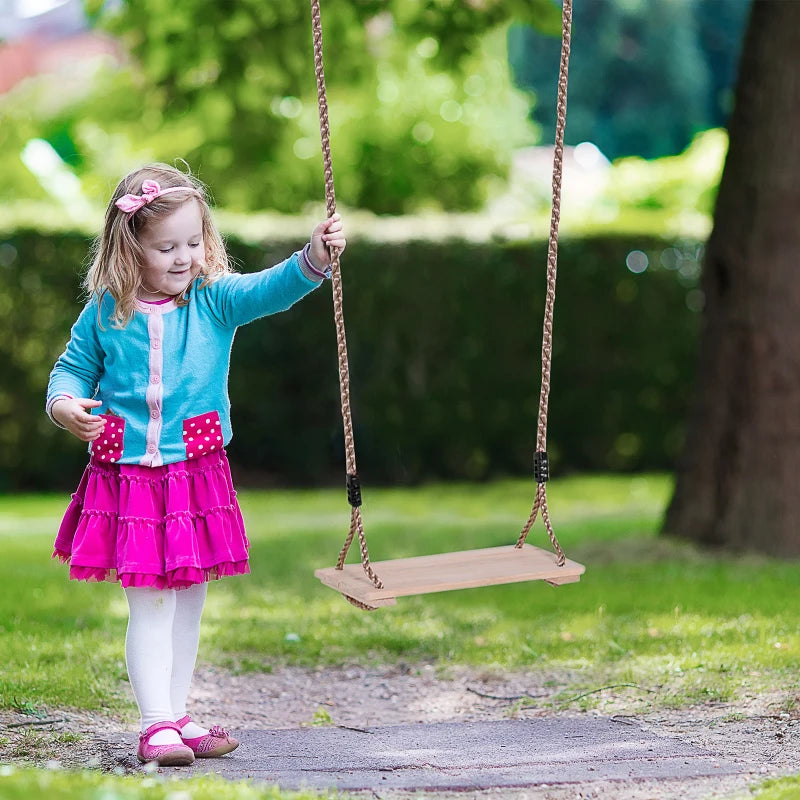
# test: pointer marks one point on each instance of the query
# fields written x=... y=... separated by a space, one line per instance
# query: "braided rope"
x=552 y=263
x=356 y=524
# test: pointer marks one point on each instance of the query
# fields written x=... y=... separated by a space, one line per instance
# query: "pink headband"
x=131 y=203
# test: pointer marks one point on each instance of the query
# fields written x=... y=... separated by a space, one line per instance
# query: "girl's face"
x=173 y=252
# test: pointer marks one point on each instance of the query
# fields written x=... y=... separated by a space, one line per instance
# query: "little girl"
x=144 y=380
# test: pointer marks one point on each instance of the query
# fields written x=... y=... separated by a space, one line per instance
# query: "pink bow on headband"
x=131 y=203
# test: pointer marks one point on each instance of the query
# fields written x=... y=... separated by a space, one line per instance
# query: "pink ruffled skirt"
x=168 y=527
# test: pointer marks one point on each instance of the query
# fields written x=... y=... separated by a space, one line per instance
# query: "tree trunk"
x=738 y=483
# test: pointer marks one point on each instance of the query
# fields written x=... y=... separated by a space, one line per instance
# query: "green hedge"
x=444 y=342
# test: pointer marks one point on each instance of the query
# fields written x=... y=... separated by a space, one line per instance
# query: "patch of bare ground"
x=760 y=731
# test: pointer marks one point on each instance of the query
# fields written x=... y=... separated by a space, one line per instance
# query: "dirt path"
x=761 y=730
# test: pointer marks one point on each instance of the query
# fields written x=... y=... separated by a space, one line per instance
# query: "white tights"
x=161 y=650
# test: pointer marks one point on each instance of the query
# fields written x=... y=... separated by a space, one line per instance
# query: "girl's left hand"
x=329 y=233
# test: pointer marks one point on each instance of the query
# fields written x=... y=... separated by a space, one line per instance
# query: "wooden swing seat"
x=466 y=569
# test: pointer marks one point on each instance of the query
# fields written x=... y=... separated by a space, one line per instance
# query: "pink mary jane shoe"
x=166 y=755
x=217 y=742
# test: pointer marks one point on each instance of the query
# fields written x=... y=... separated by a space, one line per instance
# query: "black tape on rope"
x=541 y=468
x=353 y=490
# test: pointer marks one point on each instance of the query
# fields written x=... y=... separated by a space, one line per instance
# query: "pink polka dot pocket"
x=108 y=447
x=202 y=434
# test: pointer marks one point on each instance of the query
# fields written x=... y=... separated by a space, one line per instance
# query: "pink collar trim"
x=156 y=306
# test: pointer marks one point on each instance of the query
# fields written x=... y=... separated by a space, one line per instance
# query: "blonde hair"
x=117 y=256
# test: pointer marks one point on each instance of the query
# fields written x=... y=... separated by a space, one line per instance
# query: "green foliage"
x=433 y=139
x=39 y=294
x=321 y=718
x=682 y=186
x=670 y=197
x=31 y=784
x=645 y=77
x=421 y=103
x=779 y=789
x=422 y=110
x=444 y=341
x=17 y=127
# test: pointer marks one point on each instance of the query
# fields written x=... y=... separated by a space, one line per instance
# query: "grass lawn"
x=31 y=784
x=658 y=613
x=691 y=626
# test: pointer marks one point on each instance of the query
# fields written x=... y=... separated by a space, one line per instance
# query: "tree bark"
x=738 y=483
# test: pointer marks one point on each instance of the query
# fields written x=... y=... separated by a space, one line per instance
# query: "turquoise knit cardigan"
x=169 y=366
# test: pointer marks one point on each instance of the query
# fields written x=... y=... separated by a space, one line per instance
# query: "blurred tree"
x=645 y=77
x=17 y=127
x=422 y=106
x=737 y=483
x=720 y=28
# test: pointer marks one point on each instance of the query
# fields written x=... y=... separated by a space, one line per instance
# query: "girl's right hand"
x=72 y=414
